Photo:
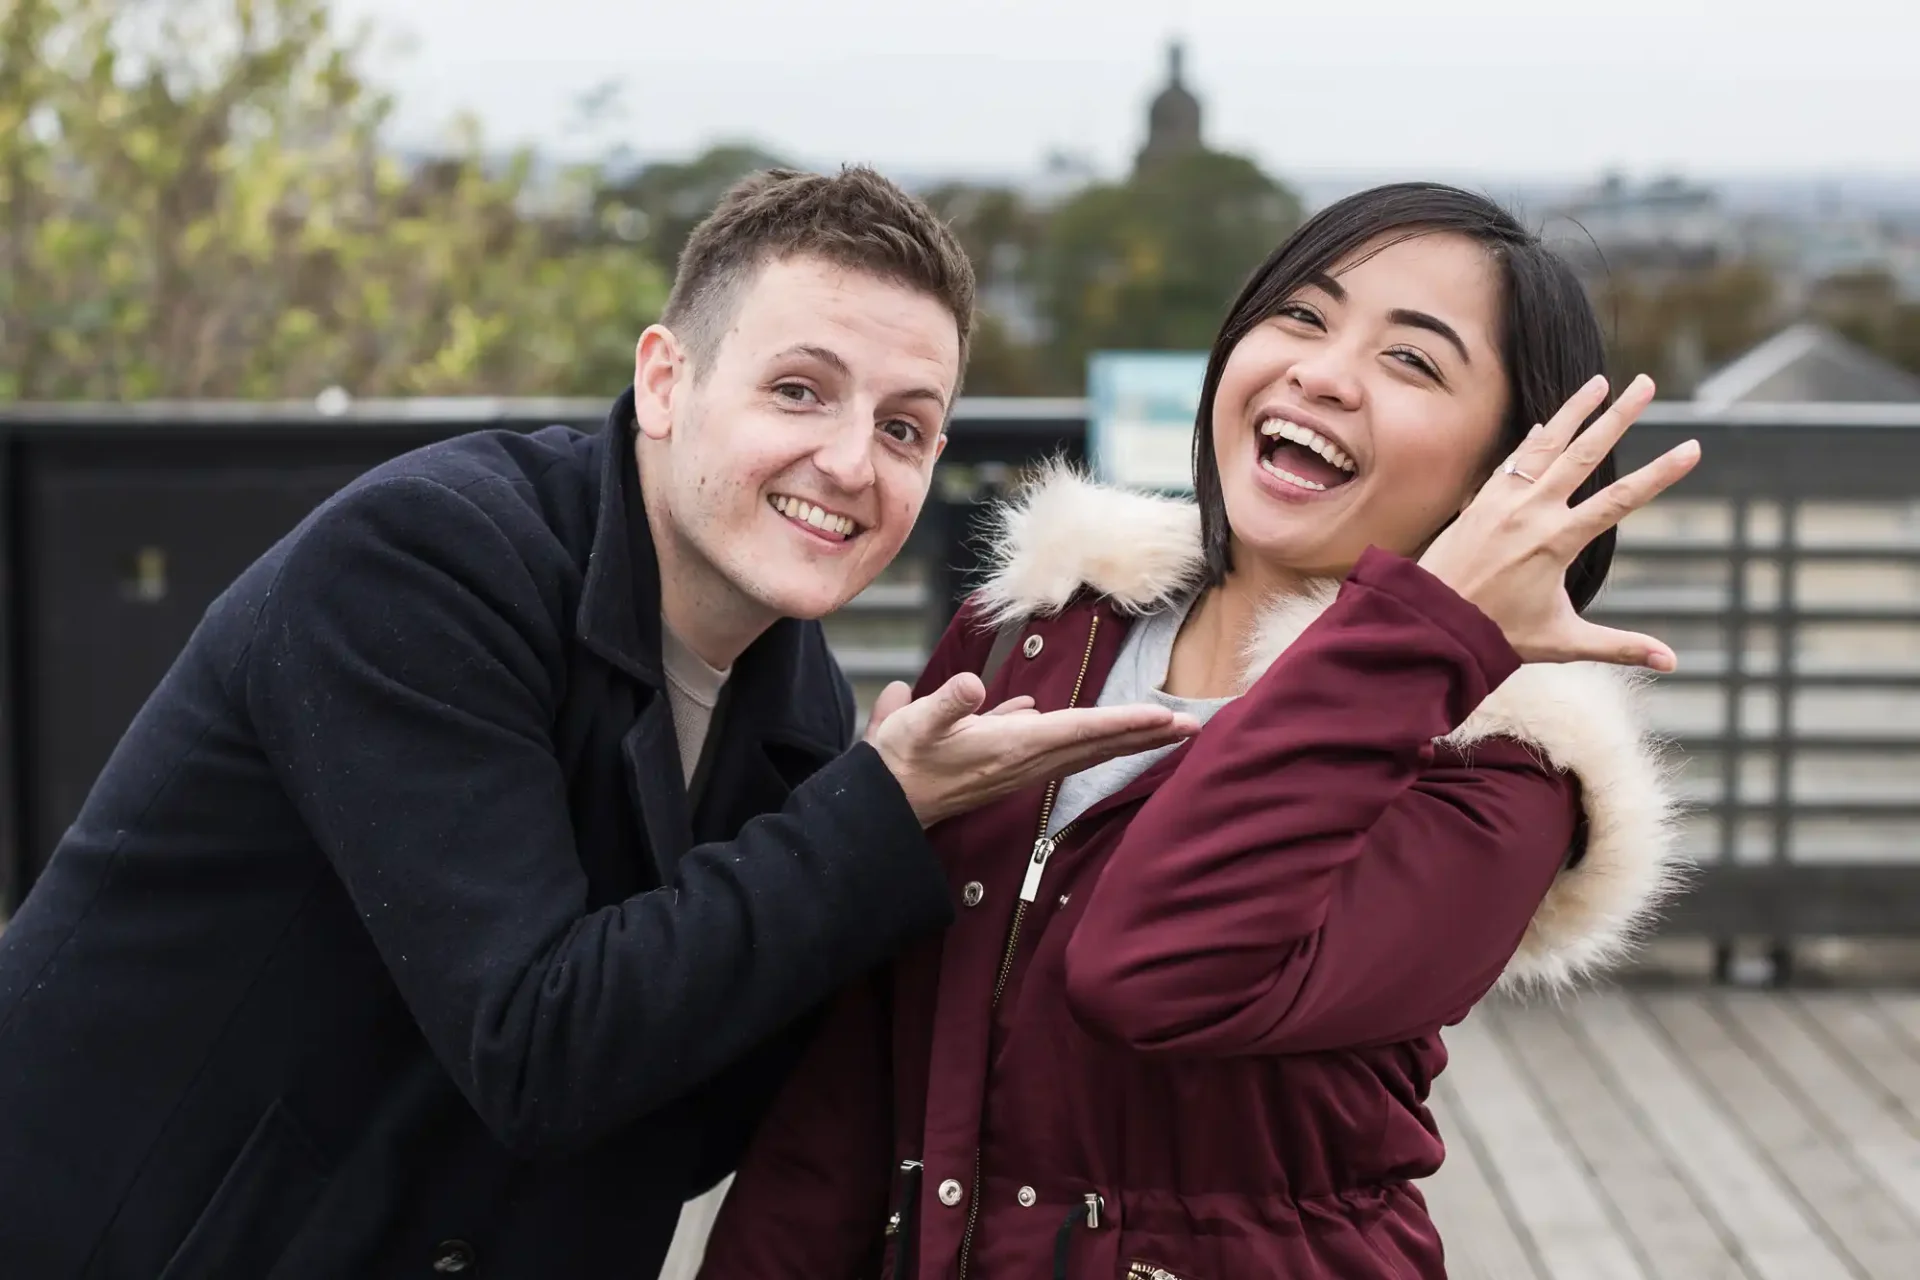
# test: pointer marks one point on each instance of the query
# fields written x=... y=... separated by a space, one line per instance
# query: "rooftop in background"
x=1807 y=363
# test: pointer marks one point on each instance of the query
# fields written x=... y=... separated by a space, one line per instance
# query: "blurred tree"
x=1677 y=326
x=1152 y=263
x=1001 y=232
x=658 y=206
x=198 y=202
x=1868 y=308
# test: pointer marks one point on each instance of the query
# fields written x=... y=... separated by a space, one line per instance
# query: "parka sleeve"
x=1313 y=875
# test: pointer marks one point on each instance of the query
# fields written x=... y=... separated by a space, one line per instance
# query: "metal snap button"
x=972 y=894
x=451 y=1257
x=1027 y=1197
x=950 y=1193
x=1033 y=646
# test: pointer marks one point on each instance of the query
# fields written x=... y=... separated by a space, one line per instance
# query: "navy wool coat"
x=389 y=944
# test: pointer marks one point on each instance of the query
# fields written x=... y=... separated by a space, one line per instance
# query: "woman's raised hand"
x=1508 y=552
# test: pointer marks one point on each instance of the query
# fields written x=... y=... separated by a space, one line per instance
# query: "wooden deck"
x=1684 y=1135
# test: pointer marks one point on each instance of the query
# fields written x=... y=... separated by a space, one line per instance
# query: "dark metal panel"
x=1798 y=900
x=125 y=549
x=12 y=869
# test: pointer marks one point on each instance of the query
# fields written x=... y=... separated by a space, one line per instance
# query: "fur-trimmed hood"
x=1142 y=552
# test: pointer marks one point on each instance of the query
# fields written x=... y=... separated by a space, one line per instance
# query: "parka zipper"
x=1147 y=1271
x=1043 y=847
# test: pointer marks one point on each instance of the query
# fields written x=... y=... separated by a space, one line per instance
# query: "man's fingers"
x=1574 y=465
x=1084 y=755
x=1046 y=734
x=953 y=702
x=1011 y=705
x=1631 y=492
x=895 y=696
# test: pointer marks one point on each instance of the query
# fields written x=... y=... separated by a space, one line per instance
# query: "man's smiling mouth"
x=815 y=517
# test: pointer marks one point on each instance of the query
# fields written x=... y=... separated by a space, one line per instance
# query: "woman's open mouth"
x=1302 y=457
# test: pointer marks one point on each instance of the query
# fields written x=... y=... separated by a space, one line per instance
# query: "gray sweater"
x=1138 y=672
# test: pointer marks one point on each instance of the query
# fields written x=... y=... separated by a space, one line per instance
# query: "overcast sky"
x=1522 y=88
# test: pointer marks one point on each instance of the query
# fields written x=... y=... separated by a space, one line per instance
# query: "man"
x=455 y=903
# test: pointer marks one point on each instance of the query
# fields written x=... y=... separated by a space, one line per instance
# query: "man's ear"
x=939 y=446
x=659 y=368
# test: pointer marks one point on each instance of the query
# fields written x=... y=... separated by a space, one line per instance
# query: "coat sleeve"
x=1310 y=877
x=403 y=678
x=812 y=1195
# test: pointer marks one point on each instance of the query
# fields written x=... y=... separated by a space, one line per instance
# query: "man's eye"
x=902 y=430
x=798 y=392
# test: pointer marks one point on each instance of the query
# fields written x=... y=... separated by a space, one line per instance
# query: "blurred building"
x=1807 y=364
x=1173 y=118
x=1667 y=224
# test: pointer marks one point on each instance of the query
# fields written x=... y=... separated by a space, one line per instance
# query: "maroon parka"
x=1192 y=1036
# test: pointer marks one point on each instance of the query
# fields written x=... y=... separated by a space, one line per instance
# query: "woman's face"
x=1366 y=411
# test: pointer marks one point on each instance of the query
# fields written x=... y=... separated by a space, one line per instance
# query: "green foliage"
x=198 y=204
x=1867 y=307
x=1676 y=326
x=658 y=206
x=1154 y=262
x=1150 y=263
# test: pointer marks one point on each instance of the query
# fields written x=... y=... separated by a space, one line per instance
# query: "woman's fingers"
x=1592 y=643
x=1578 y=460
x=1549 y=439
x=1629 y=493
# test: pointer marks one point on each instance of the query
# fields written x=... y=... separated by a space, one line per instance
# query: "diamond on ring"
x=1512 y=469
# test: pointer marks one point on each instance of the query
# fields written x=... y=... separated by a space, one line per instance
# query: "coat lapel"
x=652 y=754
x=780 y=724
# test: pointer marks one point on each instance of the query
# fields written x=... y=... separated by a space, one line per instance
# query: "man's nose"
x=846 y=457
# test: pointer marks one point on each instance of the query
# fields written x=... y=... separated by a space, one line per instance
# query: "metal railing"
x=1786 y=572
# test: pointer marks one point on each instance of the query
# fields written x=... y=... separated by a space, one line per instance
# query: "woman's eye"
x=1302 y=314
x=1417 y=361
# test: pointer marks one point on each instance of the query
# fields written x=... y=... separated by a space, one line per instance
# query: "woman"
x=1189 y=1016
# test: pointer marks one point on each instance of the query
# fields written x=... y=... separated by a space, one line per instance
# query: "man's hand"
x=949 y=758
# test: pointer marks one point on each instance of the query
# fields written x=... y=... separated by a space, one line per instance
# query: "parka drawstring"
x=1087 y=1211
x=900 y=1225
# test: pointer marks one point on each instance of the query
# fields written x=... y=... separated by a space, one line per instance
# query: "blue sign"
x=1140 y=411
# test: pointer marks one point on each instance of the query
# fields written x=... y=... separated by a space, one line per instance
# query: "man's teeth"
x=819 y=518
x=1291 y=478
x=1310 y=439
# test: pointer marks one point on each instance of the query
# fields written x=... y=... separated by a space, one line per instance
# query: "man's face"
x=796 y=462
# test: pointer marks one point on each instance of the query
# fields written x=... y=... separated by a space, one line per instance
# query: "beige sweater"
x=693 y=689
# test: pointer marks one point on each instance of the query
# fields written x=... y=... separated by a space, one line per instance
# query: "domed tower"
x=1173 y=121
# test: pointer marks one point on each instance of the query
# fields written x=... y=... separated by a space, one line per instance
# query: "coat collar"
x=785 y=676
x=1057 y=540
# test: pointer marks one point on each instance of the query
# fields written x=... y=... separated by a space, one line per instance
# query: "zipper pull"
x=1042 y=850
x=1093 y=1211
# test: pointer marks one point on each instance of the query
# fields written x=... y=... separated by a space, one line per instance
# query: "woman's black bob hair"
x=1550 y=341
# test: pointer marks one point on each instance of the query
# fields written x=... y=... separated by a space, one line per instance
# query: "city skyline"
x=1488 y=89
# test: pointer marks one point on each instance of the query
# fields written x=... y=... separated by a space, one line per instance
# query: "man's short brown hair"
x=854 y=219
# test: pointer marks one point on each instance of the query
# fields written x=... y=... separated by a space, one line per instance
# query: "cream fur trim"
x=1066 y=533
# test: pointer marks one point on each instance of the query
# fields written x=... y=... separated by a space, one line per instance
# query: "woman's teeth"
x=795 y=509
x=1307 y=438
x=1291 y=478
